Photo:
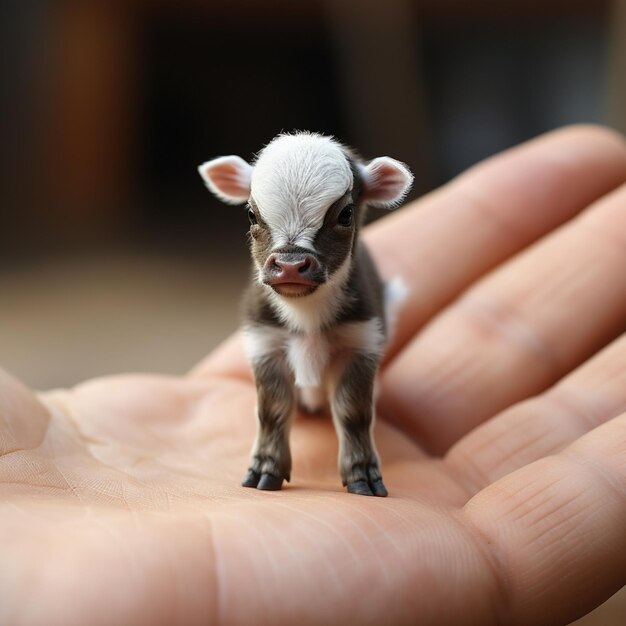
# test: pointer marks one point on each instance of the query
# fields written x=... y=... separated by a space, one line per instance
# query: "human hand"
x=501 y=432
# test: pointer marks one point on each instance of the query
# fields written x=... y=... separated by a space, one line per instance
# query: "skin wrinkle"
x=64 y=409
x=56 y=481
x=163 y=442
x=517 y=526
x=573 y=407
x=30 y=483
x=463 y=372
x=255 y=538
x=598 y=410
x=545 y=508
x=556 y=536
x=522 y=507
x=71 y=487
x=455 y=480
x=288 y=547
x=608 y=402
x=511 y=453
x=465 y=471
x=356 y=527
x=219 y=604
x=589 y=219
x=507 y=323
x=127 y=503
x=584 y=444
x=512 y=230
x=607 y=368
x=270 y=559
x=96 y=487
x=4 y=453
x=331 y=589
x=458 y=369
x=172 y=575
x=493 y=558
x=342 y=537
x=618 y=488
x=507 y=454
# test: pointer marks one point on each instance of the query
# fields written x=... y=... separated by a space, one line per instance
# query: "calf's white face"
x=305 y=195
x=294 y=182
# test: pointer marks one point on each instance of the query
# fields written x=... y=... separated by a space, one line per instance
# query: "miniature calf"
x=316 y=311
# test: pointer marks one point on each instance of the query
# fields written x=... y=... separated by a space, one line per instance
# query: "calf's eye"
x=252 y=217
x=345 y=217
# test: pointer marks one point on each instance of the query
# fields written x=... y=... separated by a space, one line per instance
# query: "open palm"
x=499 y=430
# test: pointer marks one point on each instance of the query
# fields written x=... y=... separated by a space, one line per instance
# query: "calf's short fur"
x=317 y=315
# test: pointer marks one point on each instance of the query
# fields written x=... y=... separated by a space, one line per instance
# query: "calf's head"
x=305 y=196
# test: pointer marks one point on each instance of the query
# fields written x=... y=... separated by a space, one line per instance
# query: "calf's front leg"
x=271 y=458
x=353 y=415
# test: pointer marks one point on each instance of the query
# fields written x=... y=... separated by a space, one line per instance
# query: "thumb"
x=23 y=418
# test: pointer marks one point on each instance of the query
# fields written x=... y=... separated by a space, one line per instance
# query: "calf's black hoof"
x=368 y=488
x=270 y=483
x=379 y=489
x=251 y=479
x=360 y=487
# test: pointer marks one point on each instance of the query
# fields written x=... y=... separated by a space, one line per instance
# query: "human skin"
x=502 y=433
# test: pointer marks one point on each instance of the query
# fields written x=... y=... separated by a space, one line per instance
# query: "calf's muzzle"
x=292 y=273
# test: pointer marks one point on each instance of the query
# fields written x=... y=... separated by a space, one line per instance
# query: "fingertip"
x=591 y=145
x=602 y=136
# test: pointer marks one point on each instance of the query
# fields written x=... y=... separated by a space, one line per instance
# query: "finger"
x=516 y=332
x=591 y=395
x=228 y=359
x=445 y=241
x=554 y=530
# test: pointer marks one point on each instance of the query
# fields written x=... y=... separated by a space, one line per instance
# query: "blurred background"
x=114 y=257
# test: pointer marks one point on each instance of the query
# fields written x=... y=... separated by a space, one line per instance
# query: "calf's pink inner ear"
x=385 y=182
x=228 y=178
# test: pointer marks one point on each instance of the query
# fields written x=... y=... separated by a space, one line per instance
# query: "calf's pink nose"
x=289 y=269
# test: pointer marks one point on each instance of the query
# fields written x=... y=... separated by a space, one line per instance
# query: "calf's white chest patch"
x=308 y=357
x=309 y=354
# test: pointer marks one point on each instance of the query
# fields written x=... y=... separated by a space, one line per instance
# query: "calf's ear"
x=228 y=178
x=385 y=182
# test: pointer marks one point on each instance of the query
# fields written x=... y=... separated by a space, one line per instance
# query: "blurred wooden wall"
x=86 y=176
